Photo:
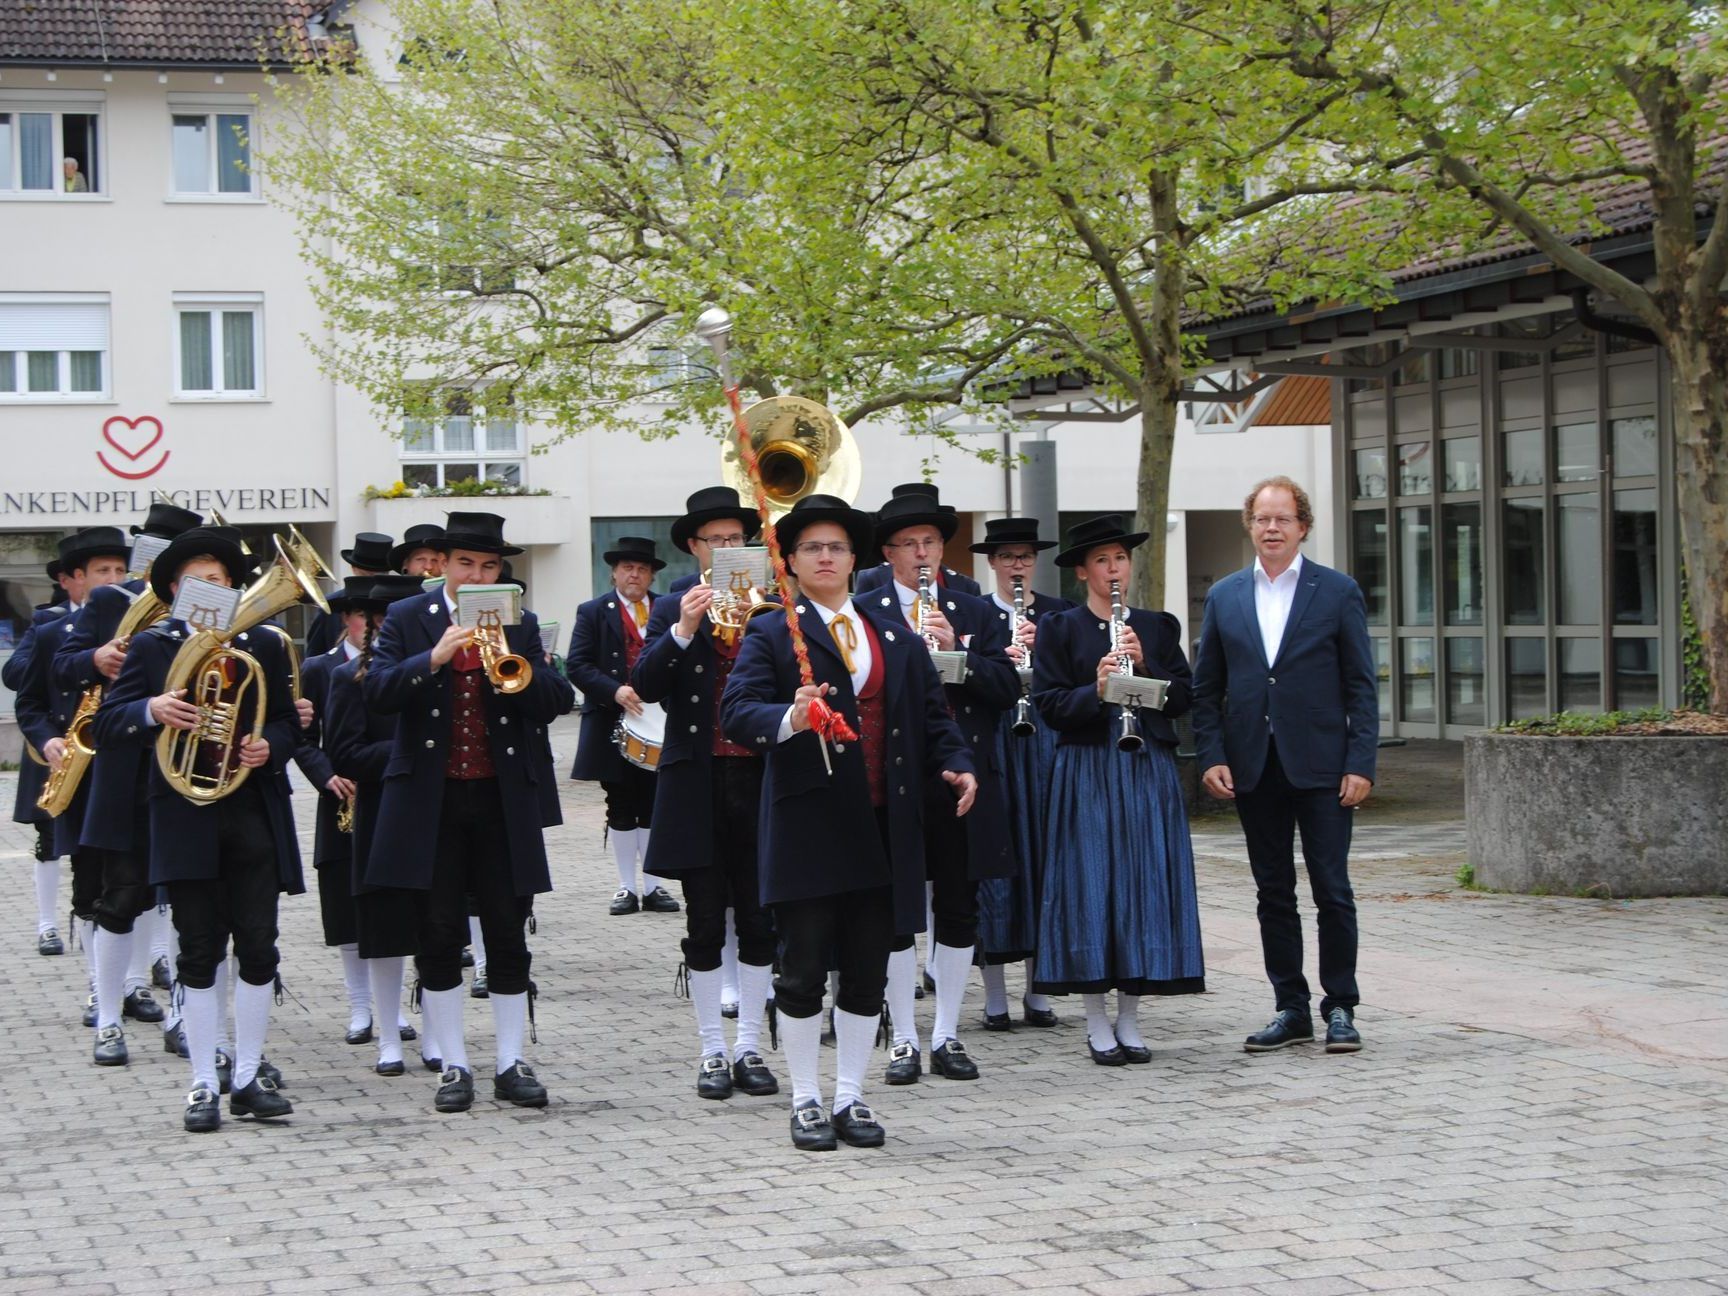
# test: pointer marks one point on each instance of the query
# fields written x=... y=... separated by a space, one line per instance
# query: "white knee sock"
x=113 y=953
x=624 y=856
x=902 y=984
x=1035 y=1001
x=225 y=979
x=443 y=1009
x=754 y=983
x=705 y=999
x=729 y=962
x=995 y=977
x=87 y=938
x=138 y=968
x=801 y=1042
x=173 y=955
x=952 y=966
x=385 y=976
x=161 y=933
x=854 y=1035
x=510 y=1021
x=1098 y=1028
x=359 y=984
x=251 y=1021
x=199 y=1011
x=477 y=942
x=649 y=881
x=47 y=894
x=1128 y=1020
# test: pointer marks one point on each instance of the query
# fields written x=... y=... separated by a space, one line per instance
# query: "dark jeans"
x=473 y=861
x=851 y=931
x=629 y=800
x=1270 y=816
x=730 y=881
x=953 y=894
x=240 y=901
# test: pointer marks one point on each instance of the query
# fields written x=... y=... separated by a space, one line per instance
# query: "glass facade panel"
x=1463 y=457
x=1462 y=563
x=605 y=534
x=1634 y=442
x=1635 y=549
x=1456 y=362
x=1575 y=452
x=1523 y=562
x=1523 y=458
x=1383 y=675
x=1581 y=675
x=1416 y=566
x=1416 y=683
x=1637 y=678
x=1368 y=560
x=233 y=153
x=1466 y=695
x=1578 y=548
x=191 y=153
x=1415 y=368
x=1526 y=678
x=1371 y=473
x=1415 y=468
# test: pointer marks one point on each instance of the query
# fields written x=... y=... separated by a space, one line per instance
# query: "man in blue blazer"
x=1287 y=721
x=872 y=578
x=461 y=808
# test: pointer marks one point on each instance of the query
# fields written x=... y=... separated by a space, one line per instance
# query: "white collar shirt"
x=349 y=651
x=862 y=655
x=1273 y=600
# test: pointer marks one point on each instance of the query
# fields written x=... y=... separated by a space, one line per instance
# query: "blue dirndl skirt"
x=1008 y=907
x=1119 y=910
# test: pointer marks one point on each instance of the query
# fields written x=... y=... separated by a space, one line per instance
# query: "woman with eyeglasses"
x=1118 y=910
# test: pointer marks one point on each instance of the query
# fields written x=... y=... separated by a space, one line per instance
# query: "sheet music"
x=737 y=570
x=144 y=551
x=472 y=600
x=205 y=605
x=549 y=637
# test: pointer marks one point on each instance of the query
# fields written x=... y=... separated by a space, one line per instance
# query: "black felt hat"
x=393 y=588
x=223 y=543
x=475 y=532
x=915 y=509
x=710 y=504
x=634 y=549
x=354 y=596
x=166 y=521
x=93 y=542
x=1107 y=528
x=54 y=569
x=858 y=525
x=371 y=550
x=508 y=576
x=999 y=532
x=422 y=535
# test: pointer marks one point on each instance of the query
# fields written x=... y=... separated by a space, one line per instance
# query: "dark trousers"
x=126 y=890
x=86 y=881
x=1271 y=815
x=239 y=902
x=629 y=800
x=947 y=867
x=730 y=880
x=473 y=862
x=851 y=932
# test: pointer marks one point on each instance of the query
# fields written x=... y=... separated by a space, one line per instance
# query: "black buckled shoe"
x=811 y=1130
x=751 y=1076
x=998 y=1022
x=480 y=990
x=660 y=900
x=141 y=1006
x=857 y=1126
x=518 y=1086
x=714 y=1077
x=952 y=1060
x=110 y=1047
x=396 y=1068
x=88 y=1015
x=624 y=901
x=432 y=1064
x=729 y=1009
x=270 y=1073
x=455 y=1090
x=904 y=1066
x=1112 y=1056
x=1341 y=1033
x=174 y=1041
x=1290 y=1026
x=161 y=975
x=259 y=1100
x=1044 y=1018
x=1135 y=1054
x=406 y=1033
x=467 y=956
x=361 y=1036
x=203 y=1112
x=49 y=943
x=224 y=1071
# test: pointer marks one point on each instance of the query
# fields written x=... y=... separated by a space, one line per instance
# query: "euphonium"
x=1023 y=726
x=227 y=685
x=1128 y=737
x=508 y=672
x=801 y=449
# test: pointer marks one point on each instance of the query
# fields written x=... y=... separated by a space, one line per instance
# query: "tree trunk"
x=1698 y=356
x=1152 y=498
x=1160 y=387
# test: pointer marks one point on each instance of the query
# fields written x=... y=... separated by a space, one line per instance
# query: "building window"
x=53 y=347
x=49 y=149
x=218 y=346
x=212 y=153
x=473 y=441
x=604 y=534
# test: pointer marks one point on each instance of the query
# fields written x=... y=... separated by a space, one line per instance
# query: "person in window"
x=74 y=181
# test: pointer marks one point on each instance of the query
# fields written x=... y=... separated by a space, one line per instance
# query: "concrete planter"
x=528 y=519
x=1635 y=816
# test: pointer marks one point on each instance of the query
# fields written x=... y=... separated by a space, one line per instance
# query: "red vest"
x=470 y=752
x=872 y=719
x=725 y=658
x=632 y=635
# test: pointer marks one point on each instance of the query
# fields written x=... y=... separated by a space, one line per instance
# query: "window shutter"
x=53 y=326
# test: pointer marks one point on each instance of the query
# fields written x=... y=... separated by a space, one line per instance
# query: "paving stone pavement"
x=1539 y=1109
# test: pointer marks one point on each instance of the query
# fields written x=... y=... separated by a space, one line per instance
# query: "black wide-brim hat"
x=634 y=549
x=1107 y=528
x=222 y=543
x=423 y=535
x=475 y=532
x=54 y=569
x=710 y=504
x=508 y=576
x=914 y=509
x=1000 y=532
x=354 y=596
x=371 y=550
x=858 y=525
x=385 y=590
x=93 y=542
x=166 y=521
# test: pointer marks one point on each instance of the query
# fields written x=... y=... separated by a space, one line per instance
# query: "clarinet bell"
x=1128 y=737
x=1023 y=727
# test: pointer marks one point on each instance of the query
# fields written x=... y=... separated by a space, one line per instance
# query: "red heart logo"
x=138 y=426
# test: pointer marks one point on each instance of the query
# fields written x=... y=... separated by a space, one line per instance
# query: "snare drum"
x=640 y=737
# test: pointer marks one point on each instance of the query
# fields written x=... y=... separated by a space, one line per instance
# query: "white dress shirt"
x=349 y=651
x=862 y=656
x=1272 y=602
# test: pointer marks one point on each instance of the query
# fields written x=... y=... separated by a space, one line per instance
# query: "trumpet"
x=345 y=815
x=1128 y=737
x=508 y=672
x=1023 y=726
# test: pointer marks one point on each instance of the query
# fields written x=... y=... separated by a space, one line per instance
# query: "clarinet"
x=926 y=600
x=1023 y=727
x=1128 y=737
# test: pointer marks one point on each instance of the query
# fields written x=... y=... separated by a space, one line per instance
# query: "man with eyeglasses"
x=1286 y=722
x=911 y=530
x=871 y=578
x=706 y=803
x=842 y=854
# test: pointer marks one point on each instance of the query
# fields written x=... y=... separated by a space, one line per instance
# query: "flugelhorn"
x=731 y=608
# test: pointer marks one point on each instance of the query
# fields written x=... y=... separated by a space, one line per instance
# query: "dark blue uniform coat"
x=31 y=776
x=1065 y=675
x=44 y=710
x=596 y=666
x=873 y=578
x=358 y=742
x=329 y=844
x=117 y=779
